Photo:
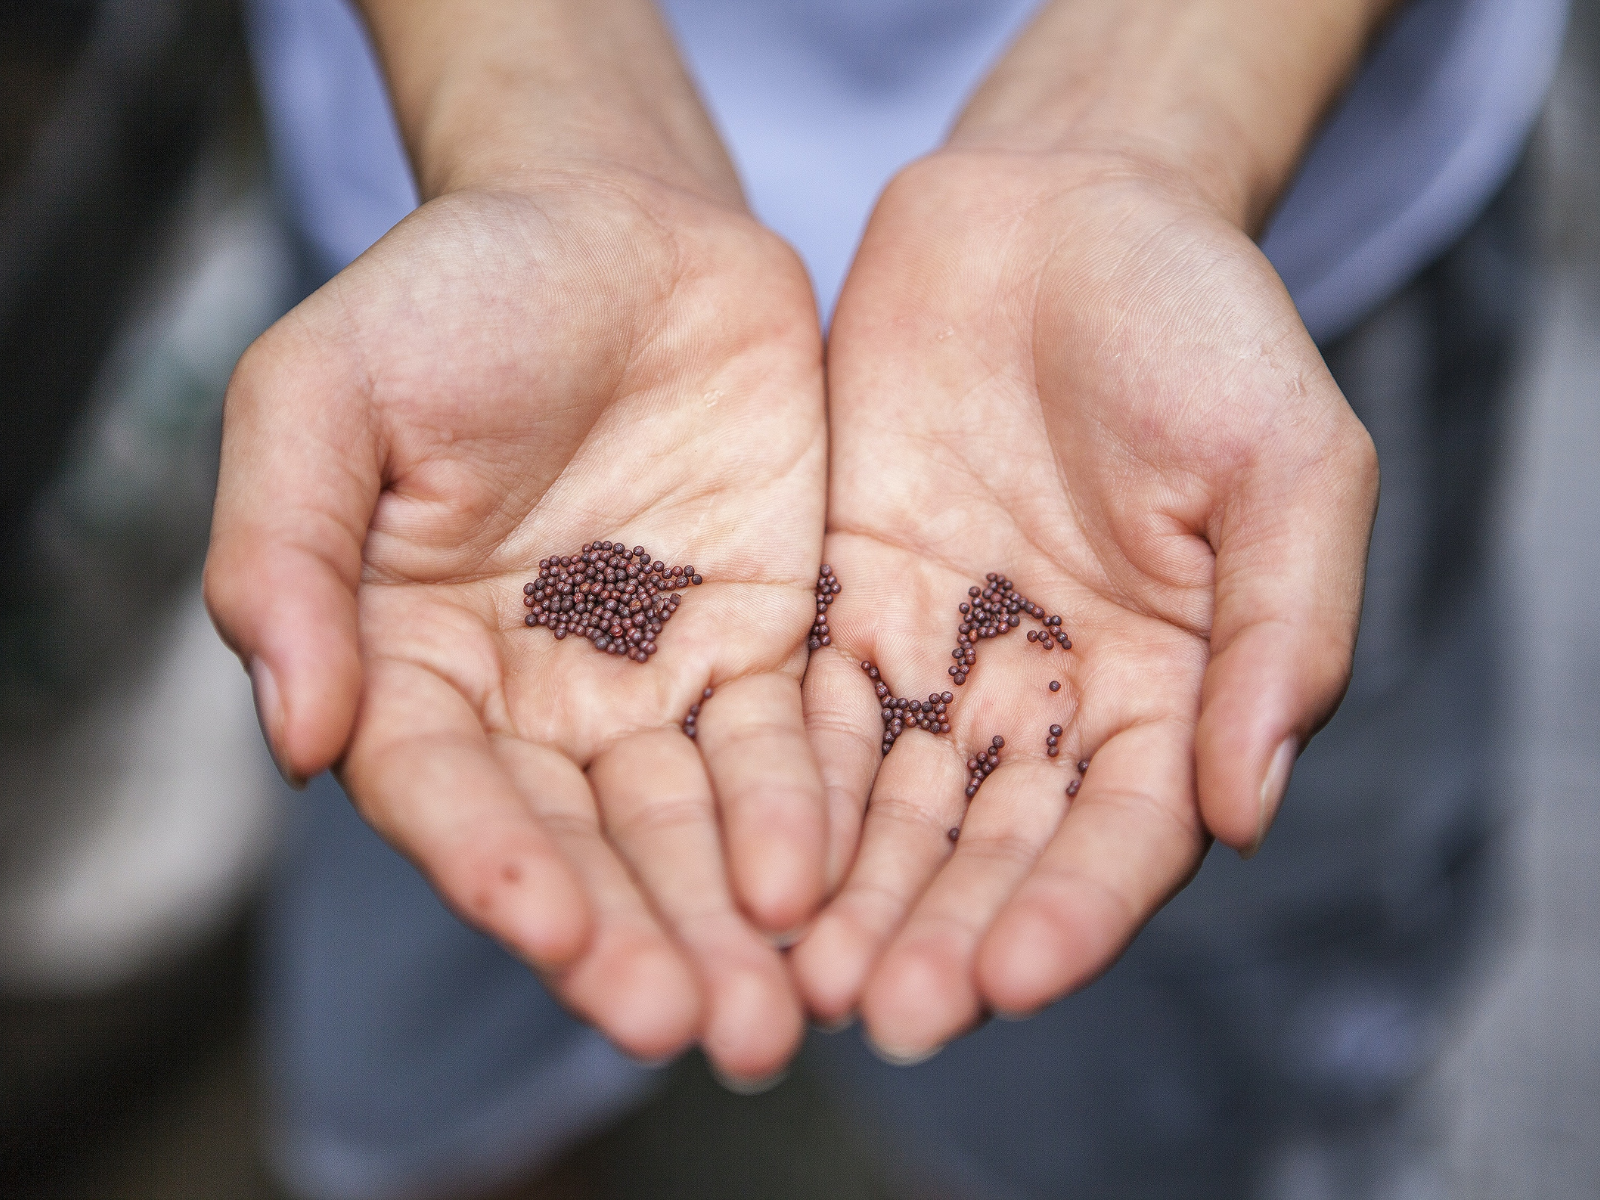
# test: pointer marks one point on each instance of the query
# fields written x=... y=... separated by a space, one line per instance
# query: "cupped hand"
x=1072 y=372
x=507 y=376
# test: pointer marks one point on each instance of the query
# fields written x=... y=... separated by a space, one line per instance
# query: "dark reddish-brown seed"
x=1072 y=788
x=992 y=612
x=1055 y=685
x=1055 y=731
x=1083 y=765
x=953 y=833
x=900 y=713
x=827 y=588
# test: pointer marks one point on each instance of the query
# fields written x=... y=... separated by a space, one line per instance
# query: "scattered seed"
x=993 y=611
x=617 y=598
x=899 y=713
x=827 y=588
x=1055 y=685
x=1072 y=788
x=982 y=764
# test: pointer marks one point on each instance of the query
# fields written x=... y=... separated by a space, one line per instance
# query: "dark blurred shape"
x=79 y=1072
x=106 y=150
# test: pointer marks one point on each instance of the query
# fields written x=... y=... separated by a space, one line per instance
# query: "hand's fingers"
x=843 y=724
x=753 y=736
x=633 y=980
x=298 y=483
x=421 y=771
x=658 y=811
x=917 y=799
x=923 y=991
x=1130 y=840
x=1291 y=561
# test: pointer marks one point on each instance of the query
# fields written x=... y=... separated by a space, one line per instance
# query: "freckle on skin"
x=511 y=873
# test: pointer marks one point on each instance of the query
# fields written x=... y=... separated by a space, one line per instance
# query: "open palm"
x=1069 y=374
x=503 y=378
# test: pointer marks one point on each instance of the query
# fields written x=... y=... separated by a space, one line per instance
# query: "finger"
x=923 y=992
x=657 y=809
x=298 y=484
x=1130 y=840
x=917 y=799
x=632 y=980
x=844 y=728
x=753 y=737
x=1291 y=562
x=421 y=771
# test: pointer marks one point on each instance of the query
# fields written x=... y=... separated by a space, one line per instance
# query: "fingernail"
x=901 y=1058
x=750 y=1087
x=269 y=714
x=1273 y=785
x=1001 y=1014
x=838 y=1026
x=782 y=941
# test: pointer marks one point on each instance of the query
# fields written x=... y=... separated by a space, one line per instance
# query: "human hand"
x=1073 y=370
x=510 y=373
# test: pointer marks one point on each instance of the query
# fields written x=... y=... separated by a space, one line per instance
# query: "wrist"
x=1218 y=97
x=506 y=93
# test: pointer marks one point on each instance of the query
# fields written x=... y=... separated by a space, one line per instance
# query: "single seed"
x=954 y=833
x=1055 y=685
x=1083 y=765
x=1055 y=731
x=1072 y=788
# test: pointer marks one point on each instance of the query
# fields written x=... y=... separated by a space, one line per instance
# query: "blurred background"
x=141 y=250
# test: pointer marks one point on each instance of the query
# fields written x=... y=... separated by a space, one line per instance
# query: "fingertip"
x=754 y=1027
x=779 y=882
x=915 y=1003
x=830 y=969
x=293 y=624
x=657 y=1007
x=1034 y=955
x=1014 y=972
x=1264 y=695
x=557 y=922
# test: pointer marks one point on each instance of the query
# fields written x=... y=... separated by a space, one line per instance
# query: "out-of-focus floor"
x=1514 y=1106
x=1526 y=1070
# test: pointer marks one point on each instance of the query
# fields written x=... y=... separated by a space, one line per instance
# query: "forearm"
x=1221 y=94
x=500 y=92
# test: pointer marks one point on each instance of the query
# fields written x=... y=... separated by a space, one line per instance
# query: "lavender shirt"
x=822 y=100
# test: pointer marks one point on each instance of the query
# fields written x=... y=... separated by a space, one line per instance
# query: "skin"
x=1058 y=355
x=587 y=337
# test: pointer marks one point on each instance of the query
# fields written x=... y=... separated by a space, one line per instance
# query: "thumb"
x=1291 y=552
x=299 y=479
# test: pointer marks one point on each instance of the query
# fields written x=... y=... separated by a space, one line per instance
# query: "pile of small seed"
x=827 y=589
x=980 y=765
x=691 y=722
x=900 y=713
x=993 y=611
x=619 y=599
